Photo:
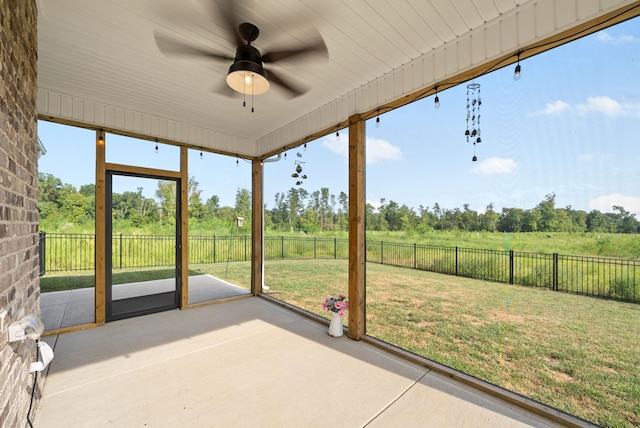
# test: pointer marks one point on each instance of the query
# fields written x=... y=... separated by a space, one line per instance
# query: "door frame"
x=163 y=304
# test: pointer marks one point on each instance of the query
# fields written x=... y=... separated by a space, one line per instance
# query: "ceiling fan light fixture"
x=247 y=77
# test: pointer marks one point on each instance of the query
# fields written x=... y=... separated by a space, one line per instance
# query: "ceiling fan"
x=246 y=75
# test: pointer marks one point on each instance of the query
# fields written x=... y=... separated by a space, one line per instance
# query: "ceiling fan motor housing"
x=248 y=31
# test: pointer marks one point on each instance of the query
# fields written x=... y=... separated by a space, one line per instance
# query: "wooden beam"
x=142 y=171
x=184 y=227
x=101 y=231
x=257 y=227
x=357 y=249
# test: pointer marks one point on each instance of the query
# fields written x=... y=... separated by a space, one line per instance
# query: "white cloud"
x=628 y=39
x=554 y=108
x=601 y=104
x=335 y=146
x=495 y=165
x=605 y=203
x=374 y=204
x=605 y=37
x=378 y=150
x=605 y=105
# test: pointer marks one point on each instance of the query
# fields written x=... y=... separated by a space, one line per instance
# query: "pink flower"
x=335 y=304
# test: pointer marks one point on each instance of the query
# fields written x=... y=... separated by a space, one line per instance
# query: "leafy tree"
x=166 y=194
x=427 y=219
x=280 y=213
x=372 y=219
x=75 y=207
x=343 y=211
x=489 y=220
x=243 y=204
x=578 y=220
x=295 y=206
x=511 y=220
x=212 y=205
x=88 y=190
x=325 y=209
x=392 y=216
x=309 y=221
x=125 y=202
x=468 y=219
x=531 y=220
x=297 y=209
x=197 y=209
x=49 y=188
x=599 y=222
x=626 y=222
x=548 y=214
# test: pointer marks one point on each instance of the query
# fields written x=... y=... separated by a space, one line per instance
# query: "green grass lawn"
x=576 y=353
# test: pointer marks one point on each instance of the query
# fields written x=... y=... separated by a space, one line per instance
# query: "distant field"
x=625 y=246
x=620 y=245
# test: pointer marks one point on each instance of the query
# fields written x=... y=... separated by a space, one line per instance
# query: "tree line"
x=298 y=210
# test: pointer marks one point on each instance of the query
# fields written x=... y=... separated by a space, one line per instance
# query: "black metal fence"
x=593 y=276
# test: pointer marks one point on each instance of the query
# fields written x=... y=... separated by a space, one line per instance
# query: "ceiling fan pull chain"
x=244 y=94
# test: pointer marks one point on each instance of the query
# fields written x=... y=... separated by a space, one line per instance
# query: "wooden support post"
x=101 y=231
x=184 y=227
x=257 y=227
x=357 y=242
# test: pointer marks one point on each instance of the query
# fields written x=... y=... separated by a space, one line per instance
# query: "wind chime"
x=297 y=175
x=473 y=116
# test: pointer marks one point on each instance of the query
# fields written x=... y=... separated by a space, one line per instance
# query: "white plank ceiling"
x=99 y=65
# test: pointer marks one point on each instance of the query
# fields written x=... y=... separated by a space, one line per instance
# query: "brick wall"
x=19 y=283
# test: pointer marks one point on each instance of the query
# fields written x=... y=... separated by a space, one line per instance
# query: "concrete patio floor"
x=60 y=309
x=246 y=363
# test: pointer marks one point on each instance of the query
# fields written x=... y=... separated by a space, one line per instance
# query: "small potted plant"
x=338 y=306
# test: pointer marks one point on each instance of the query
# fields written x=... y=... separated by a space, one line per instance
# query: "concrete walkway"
x=248 y=363
x=68 y=308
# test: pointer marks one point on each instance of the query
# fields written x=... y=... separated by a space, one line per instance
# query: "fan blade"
x=170 y=46
x=317 y=48
x=293 y=89
x=230 y=16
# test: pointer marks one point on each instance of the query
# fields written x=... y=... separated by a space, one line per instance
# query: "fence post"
x=121 y=251
x=555 y=271
x=335 y=248
x=456 y=261
x=381 y=252
x=315 y=256
x=214 y=248
x=415 y=255
x=282 y=247
x=245 y=248
x=510 y=266
x=43 y=251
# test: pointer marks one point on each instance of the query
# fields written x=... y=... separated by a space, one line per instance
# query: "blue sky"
x=569 y=126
